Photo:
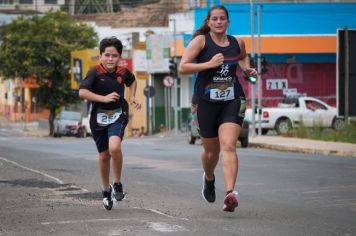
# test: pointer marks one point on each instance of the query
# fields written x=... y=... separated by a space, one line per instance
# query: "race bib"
x=222 y=95
x=106 y=117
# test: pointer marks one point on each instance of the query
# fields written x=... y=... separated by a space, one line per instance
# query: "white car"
x=311 y=111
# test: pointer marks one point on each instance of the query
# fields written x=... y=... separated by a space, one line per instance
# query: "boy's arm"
x=87 y=94
x=133 y=100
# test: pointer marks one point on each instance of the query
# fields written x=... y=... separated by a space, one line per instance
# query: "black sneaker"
x=118 y=193
x=208 y=190
x=107 y=199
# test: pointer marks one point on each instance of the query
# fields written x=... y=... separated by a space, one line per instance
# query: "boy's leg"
x=116 y=134
x=104 y=168
x=116 y=157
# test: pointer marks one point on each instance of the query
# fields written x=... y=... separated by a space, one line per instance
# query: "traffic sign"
x=168 y=81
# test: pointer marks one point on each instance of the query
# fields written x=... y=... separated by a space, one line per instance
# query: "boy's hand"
x=135 y=103
x=111 y=97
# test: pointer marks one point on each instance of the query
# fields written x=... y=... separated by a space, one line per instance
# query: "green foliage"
x=41 y=46
x=347 y=134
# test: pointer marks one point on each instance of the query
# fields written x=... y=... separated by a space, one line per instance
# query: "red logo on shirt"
x=119 y=79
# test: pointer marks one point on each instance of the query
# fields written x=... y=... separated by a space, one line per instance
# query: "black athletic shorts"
x=211 y=115
x=101 y=136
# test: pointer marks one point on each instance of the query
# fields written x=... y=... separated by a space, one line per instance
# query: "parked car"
x=69 y=123
x=294 y=110
x=193 y=134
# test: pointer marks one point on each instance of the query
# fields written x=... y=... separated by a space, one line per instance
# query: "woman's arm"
x=187 y=66
x=244 y=61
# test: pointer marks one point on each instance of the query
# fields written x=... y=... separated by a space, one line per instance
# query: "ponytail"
x=204 y=29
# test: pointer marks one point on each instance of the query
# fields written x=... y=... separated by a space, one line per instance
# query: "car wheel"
x=338 y=123
x=244 y=142
x=283 y=126
x=191 y=139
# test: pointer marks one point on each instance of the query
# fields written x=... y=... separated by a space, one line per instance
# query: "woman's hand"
x=250 y=72
x=135 y=103
x=216 y=60
x=111 y=97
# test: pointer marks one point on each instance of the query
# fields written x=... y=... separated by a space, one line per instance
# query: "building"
x=41 y=6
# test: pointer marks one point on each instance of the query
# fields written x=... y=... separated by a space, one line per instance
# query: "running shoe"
x=118 y=192
x=107 y=199
x=231 y=201
x=208 y=190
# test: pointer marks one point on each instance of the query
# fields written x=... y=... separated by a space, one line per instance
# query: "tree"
x=41 y=46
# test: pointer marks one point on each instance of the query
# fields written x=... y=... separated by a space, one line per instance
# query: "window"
x=6 y=1
x=26 y=1
x=50 y=1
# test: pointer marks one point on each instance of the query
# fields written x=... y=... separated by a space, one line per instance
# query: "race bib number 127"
x=222 y=95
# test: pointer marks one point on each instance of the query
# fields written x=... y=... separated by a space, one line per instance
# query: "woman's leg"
x=210 y=156
x=228 y=135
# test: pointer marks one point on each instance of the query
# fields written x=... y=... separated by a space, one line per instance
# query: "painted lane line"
x=107 y=220
x=160 y=213
x=33 y=170
x=78 y=221
x=41 y=173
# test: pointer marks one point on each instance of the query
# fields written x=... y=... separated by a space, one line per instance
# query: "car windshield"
x=70 y=115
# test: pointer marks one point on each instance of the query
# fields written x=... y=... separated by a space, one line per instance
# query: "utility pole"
x=252 y=58
x=259 y=77
x=176 y=79
x=109 y=7
x=347 y=73
x=72 y=7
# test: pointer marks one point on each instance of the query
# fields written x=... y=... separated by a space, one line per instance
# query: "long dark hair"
x=204 y=28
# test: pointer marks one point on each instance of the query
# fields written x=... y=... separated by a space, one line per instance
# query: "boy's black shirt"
x=99 y=81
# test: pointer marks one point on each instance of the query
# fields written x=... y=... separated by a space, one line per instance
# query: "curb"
x=302 y=150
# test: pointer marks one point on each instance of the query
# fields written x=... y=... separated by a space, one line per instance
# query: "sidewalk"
x=30 y=129
x=303 y=145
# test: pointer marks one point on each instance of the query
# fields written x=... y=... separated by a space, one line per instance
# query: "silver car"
x=69 y=123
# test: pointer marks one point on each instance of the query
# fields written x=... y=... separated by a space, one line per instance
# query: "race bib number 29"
x=222 y=95
x=107 y=117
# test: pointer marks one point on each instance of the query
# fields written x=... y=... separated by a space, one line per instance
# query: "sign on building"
x=157 y=53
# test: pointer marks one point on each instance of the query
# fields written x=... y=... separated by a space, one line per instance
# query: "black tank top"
x=221 y=83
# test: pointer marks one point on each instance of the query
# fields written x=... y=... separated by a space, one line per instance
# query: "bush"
x=347 y=134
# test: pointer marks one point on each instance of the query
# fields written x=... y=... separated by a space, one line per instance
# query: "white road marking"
x=32 y=170
x=164 y=227
x=108 y=220
x=78 y=221
x=39 y=172
x=160 y=213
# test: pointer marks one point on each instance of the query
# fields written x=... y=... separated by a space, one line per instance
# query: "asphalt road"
x=50 y=186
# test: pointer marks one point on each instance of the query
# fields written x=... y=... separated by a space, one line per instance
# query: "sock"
x=106 y=190
x=228 y=192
